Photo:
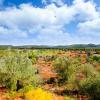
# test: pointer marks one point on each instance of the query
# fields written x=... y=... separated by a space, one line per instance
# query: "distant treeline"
x=73 y=47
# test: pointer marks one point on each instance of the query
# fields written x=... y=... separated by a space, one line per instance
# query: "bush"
x=16 y=71
x=61 y=66
x=91 y=87
x=82 y=72
x=88 y=83
x=96 y=58
x=32 y=56
x=38 y=94
x=65 y=68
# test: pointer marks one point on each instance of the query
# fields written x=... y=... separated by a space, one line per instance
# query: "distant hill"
x=5 y=46
x=74 y=46
x=84 y=46
x=77 y=46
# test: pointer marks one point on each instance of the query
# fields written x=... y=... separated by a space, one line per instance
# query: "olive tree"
x=16 y=69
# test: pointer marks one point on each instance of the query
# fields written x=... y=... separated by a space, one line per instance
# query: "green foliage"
x=88 y=82
x=96 y=58
x=93 y=59
x=91 y=87
x=16 y=70
x=61 y=67
x=26 y=89
x=84 y=77
x=81 y=72
x=32 y=55
x=65 y=68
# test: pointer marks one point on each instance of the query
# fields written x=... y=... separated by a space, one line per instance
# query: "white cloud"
x=89 y=17
x=47 y=25
x=31 y=19
x=12 y=32
x=58 y=2
x=90 y=27
x=86 y=10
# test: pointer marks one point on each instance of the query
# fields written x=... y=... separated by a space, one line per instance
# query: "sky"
x=49 y=22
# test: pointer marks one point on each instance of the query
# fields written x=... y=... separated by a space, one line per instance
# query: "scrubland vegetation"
x=49 y=74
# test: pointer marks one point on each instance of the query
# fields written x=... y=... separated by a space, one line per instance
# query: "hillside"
x=74 y=46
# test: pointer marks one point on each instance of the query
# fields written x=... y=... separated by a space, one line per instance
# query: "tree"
x=16 y=70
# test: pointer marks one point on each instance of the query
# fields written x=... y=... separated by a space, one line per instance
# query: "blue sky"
x=49 y=22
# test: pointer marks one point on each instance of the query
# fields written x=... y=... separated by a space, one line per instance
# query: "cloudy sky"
x=49 y=22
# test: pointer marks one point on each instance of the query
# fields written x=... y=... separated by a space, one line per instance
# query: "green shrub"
x=17 y=71
x=91 y=87
x=32 y=56
x=61 y=66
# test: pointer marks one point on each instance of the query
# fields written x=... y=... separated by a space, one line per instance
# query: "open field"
x=49 y=74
